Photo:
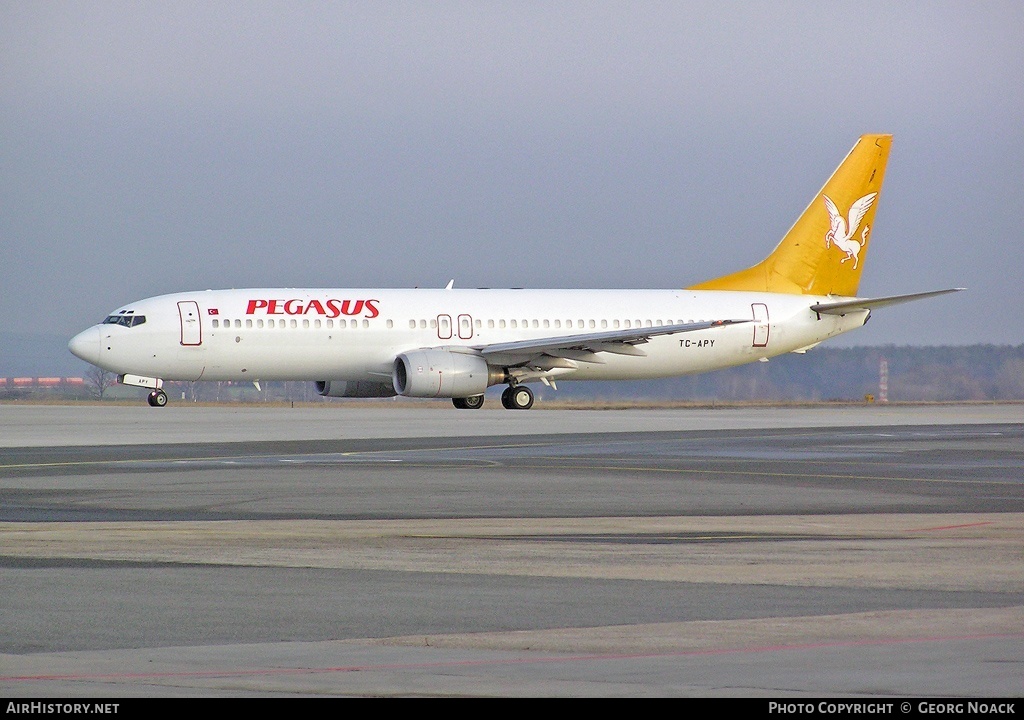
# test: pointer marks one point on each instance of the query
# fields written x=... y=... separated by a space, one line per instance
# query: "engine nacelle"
x=357 y=389
x=442 y=373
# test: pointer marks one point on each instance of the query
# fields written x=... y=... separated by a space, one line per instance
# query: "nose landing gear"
x=157 y=397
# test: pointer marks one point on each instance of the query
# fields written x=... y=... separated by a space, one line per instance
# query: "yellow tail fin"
x=823 y=253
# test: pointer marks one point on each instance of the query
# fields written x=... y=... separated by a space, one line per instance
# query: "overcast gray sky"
x=155 y=147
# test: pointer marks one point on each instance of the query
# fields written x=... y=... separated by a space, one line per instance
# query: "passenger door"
x=191 y=329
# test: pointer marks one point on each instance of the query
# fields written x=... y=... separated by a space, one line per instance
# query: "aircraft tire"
x=473 y=402
x=157 y=398
x=518 y=397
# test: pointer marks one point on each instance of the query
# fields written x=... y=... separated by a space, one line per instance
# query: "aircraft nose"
x=86 y=345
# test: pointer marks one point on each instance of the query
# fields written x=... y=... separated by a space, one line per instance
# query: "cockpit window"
x=125 y=319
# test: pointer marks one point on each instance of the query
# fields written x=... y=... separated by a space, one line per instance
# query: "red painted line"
x=508 y=661
x=953 y=527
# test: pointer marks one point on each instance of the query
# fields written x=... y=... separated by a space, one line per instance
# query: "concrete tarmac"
x=857 y=551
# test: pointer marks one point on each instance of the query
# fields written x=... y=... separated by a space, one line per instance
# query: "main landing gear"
x=157 y=398
x=517 y=397
x=474 y=402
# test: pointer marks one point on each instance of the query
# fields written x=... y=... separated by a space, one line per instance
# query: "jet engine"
x=357 y=389
x=442 y=373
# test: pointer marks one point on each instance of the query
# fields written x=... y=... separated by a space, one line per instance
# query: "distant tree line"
x=914 y=374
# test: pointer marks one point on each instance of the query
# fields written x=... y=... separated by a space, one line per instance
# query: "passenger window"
x=390 y=324
x=238 y=323
x=248 y=323
x=514 y=324
x=412 y=324
x=270 y=322
x=259 y=323
x=294 y=323
x=216 y=323
x=305 y=323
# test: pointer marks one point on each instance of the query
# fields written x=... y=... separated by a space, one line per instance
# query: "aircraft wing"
x=585 y=346
x=844 y=306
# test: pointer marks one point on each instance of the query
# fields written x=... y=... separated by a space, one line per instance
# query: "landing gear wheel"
x=517 y=397
x=473 y=402
x=157 y=398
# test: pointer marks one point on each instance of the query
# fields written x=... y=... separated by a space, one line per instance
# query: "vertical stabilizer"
x=823 y=253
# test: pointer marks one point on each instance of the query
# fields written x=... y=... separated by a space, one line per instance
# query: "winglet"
x=823 y=253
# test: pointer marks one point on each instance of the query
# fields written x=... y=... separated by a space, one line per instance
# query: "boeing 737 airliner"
x=453 y=343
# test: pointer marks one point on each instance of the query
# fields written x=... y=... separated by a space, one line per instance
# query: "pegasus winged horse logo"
x=841 y=233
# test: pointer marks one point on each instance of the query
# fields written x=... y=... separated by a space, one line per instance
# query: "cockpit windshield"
x=125 y=318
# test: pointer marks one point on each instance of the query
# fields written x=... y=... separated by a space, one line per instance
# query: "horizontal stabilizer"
x=844 y=306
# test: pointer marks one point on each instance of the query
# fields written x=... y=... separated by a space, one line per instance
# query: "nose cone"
x=86 y=345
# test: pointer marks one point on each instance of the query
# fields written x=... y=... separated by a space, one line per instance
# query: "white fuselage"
x=356 y=334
